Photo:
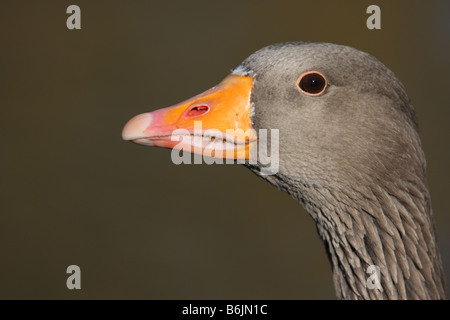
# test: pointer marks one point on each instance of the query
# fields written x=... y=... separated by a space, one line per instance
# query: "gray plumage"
x=353 y=158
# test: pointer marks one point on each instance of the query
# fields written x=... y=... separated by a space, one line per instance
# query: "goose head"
x=342 y=139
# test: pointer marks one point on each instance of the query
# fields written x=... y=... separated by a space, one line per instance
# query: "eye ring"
x=312 y=83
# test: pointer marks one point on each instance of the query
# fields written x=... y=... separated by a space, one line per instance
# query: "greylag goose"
x=348 y=150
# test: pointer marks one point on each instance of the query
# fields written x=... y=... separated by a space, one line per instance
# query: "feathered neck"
x=390 y=228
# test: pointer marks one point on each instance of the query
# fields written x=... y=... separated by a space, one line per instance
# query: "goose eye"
x=312 y=83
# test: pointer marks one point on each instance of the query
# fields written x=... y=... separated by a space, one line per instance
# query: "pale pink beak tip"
x=135 y=127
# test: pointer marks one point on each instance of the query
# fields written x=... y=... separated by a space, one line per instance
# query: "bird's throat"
x=380 y=241
x=381 y=244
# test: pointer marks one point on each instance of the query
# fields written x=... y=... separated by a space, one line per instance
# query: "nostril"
x=197 y=111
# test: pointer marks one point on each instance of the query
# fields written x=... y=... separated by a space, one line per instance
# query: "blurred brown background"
x=72 y=192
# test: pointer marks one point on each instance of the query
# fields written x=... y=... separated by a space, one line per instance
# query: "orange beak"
x=215 y=123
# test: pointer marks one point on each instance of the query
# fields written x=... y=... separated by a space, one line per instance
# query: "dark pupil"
x=312 y=83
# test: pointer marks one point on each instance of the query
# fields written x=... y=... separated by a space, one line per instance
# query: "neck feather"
x=390 y=228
